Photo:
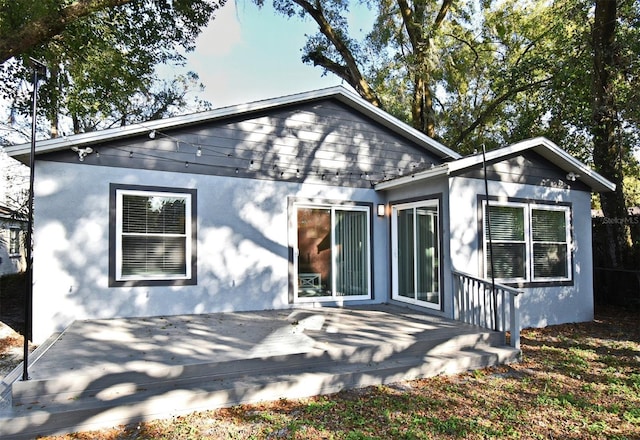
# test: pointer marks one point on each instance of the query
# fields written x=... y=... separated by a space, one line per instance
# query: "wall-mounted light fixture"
x=571 y=177
x=82 y=152
x=381 y=210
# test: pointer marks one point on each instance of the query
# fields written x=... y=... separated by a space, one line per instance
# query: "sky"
x=248 y=54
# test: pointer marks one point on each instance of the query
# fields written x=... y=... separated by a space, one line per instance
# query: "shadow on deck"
x=101 y=373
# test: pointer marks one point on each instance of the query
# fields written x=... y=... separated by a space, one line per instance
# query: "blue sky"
x=248 y=54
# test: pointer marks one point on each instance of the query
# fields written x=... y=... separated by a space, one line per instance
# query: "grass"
x=579 y=381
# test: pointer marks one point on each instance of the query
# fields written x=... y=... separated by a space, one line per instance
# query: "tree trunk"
x=422 y=111
x=607 y=149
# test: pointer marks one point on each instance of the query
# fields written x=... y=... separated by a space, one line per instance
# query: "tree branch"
x=36 y=32
x=350 y=71
x=493 y=106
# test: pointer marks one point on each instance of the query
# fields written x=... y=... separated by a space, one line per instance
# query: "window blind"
x=351 y=253
x=528 y=242
x=549 y=235
x=507 y=241
x=154 y=240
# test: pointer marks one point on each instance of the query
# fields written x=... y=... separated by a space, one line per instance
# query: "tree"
x=101 y=54
x=26 y=24
x=609 y=151
x=493 y=72
x=450 y=69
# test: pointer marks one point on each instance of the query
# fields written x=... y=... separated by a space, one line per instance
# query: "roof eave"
x=550 y=151
x=23 y=151
x=399 y=182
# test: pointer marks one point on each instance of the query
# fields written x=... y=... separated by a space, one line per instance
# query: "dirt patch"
x=11 y=349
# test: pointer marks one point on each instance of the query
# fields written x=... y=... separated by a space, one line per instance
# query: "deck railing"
x=491 y=305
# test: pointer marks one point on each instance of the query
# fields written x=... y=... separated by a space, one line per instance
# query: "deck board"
x=107 y=372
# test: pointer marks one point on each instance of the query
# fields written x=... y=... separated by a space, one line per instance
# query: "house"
x=13 y=226
x=313 y=199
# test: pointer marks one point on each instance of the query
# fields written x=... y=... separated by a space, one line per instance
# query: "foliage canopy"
x=101 y=56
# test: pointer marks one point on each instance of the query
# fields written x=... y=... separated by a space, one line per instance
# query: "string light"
x=340 y=171
x=281 y=171
x=361 y=159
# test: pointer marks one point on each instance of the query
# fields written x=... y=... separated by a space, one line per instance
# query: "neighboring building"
x=13 y=227
x=306 y=200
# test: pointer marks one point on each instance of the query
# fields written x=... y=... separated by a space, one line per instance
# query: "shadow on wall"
x=539 y=305
x=243 y=253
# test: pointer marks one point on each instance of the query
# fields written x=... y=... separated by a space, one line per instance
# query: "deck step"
x=105 y=382
x=49 y=407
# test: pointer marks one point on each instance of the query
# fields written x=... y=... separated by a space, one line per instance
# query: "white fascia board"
x=440 y=170
x=550 y=151
x=338 y=92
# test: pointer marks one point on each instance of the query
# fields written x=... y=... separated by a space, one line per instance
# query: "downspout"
x=493 y=277
x=29 y=239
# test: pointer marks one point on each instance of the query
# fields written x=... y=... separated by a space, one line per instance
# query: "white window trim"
x=431 y=203
x=333 y=297
x=187 y=235
x=528 y=240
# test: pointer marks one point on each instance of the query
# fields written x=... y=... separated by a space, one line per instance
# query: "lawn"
x=578 y=381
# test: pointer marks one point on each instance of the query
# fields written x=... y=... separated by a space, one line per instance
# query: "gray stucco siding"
x=434 y=189
x=242 y=232
x=541 y=304
x=323 y=142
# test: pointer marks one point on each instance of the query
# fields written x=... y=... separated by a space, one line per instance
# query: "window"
x=154 y=236
x=14 y=241
x=332 y=255
x=530 y=242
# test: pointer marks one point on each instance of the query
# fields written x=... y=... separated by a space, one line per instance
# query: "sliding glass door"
x=416 y=253
x=333 y=253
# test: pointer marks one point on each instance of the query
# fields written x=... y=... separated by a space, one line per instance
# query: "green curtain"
x=352 y=273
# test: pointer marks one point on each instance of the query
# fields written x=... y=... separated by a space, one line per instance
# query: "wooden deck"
x=102 y=373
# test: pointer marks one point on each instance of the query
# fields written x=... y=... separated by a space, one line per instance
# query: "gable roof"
x=541 y=145
x=352 y=100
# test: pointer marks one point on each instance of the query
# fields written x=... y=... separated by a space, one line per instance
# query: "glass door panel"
x=416 y=254
x=427 y=258
x=314 y=252
x=351 y=253
x=333 y=252
x=405 y=260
